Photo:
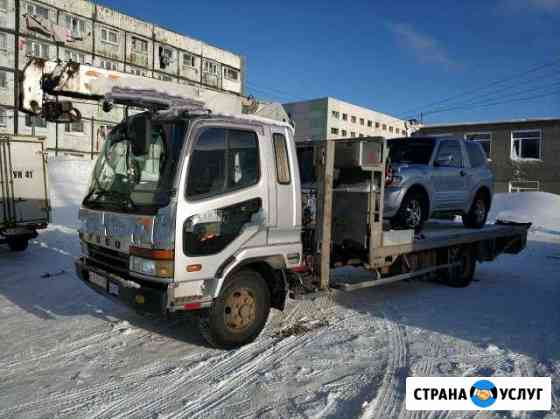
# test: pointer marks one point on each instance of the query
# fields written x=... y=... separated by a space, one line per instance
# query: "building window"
x=384 y=127
x=353 y=119
x=4 y=5
x=362 y=121
x=35 y=121
x=109 y=65
x=344 y=133
x=109 y=36
x=524 y=186
x=76 y=26
x=36 y=10
x=345 y=117
x=77 y=126
x=3 y=118
x=37 y=49
x=369 y=124
x=210 y=67
x=74 y=56
x=164 y=77
x=3 y=79
x=189 y=61
x=3 y=42
x=484 y=138
x=526 y=144
x=231 y=74
x=138 y=72
x=377 y=125
x=352 y=134
x=334 y=131
x=361 y=135
x=390 y=129
x=139 y=53
x=335 y=114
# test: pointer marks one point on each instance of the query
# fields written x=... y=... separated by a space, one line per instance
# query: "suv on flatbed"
x=428 y=175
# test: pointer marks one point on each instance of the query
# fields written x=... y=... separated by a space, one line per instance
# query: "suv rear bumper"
x=130 y=293
x=392 y=199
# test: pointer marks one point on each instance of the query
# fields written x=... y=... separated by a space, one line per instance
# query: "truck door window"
x=476 y=156
x=282 y=162
x=223 y=160
x=452 y=148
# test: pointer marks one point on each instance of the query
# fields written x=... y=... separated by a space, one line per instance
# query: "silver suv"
x=427 y=175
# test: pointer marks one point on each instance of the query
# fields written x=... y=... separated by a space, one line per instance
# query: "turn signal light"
x=156 y=254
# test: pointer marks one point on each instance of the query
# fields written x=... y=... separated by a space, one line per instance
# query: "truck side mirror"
x=139 y=132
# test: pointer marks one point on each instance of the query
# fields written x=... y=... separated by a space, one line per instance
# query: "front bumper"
x=132 y=293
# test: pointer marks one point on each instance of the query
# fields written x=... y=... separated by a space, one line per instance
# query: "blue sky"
x=397 y=57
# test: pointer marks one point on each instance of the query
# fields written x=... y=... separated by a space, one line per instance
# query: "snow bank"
x=540 y=208
x=68 y=181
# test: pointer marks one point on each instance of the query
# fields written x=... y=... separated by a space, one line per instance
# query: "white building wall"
x=94 y=22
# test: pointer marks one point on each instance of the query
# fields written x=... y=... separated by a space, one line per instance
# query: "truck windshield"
x=124 y=182
x=411 y=151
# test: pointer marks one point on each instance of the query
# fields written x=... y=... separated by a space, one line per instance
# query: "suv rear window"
x=412 y=151
x=476 y=155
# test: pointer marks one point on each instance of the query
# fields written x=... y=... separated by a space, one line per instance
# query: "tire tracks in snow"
x=389 y=401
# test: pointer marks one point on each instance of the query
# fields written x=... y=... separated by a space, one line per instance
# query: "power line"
x=485 y=86
x=272 y=92
x=483 y=100
x=482 y=105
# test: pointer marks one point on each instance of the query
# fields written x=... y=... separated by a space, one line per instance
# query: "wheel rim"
x=479 y=211
x=240 y=309
x=413 y=213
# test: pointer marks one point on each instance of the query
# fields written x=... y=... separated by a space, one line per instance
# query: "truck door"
x=449 y=176
x=26 y=167
x=223 y=201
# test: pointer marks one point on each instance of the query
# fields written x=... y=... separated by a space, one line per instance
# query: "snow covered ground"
x=67 y=352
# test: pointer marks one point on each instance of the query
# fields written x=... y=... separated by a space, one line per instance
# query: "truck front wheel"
x=239 y=314
x=18 y=244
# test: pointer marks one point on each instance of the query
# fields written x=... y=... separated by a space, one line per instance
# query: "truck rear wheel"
x=462 y=274
x=239 y=314
x=18 y=244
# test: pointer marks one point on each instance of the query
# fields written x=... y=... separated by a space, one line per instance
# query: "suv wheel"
x=413 y=211
x=478 y=213
x=18 y=244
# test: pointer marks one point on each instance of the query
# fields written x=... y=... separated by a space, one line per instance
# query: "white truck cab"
x=191 y=211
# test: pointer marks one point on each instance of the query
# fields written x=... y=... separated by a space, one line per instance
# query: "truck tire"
x=462 y=275
x=478 y=213
x=239 y=314
x=18 y=244
x=413 y=211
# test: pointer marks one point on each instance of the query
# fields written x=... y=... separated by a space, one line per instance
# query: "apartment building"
x=87 y=33
x=333 y=118
x=525 y=154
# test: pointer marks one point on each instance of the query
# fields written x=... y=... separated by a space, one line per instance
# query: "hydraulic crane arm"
x=43 y=82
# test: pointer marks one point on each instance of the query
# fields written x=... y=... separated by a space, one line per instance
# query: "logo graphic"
x=483 y=393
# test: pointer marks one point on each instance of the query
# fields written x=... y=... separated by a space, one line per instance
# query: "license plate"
x=113 y=288
x=98 y=280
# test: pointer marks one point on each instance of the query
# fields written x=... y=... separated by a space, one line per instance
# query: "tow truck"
x=194 y=210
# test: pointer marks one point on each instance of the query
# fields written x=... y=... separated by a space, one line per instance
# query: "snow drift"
x=542 y=209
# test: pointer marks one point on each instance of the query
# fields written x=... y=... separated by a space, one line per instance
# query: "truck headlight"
x=151 y=267
x=152 y=262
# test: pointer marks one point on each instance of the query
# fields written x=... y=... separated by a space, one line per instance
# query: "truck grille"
x=107 y=259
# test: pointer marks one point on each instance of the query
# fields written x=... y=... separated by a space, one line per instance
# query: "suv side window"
x=476 y=156
x=453 y=148
x=223 y=160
